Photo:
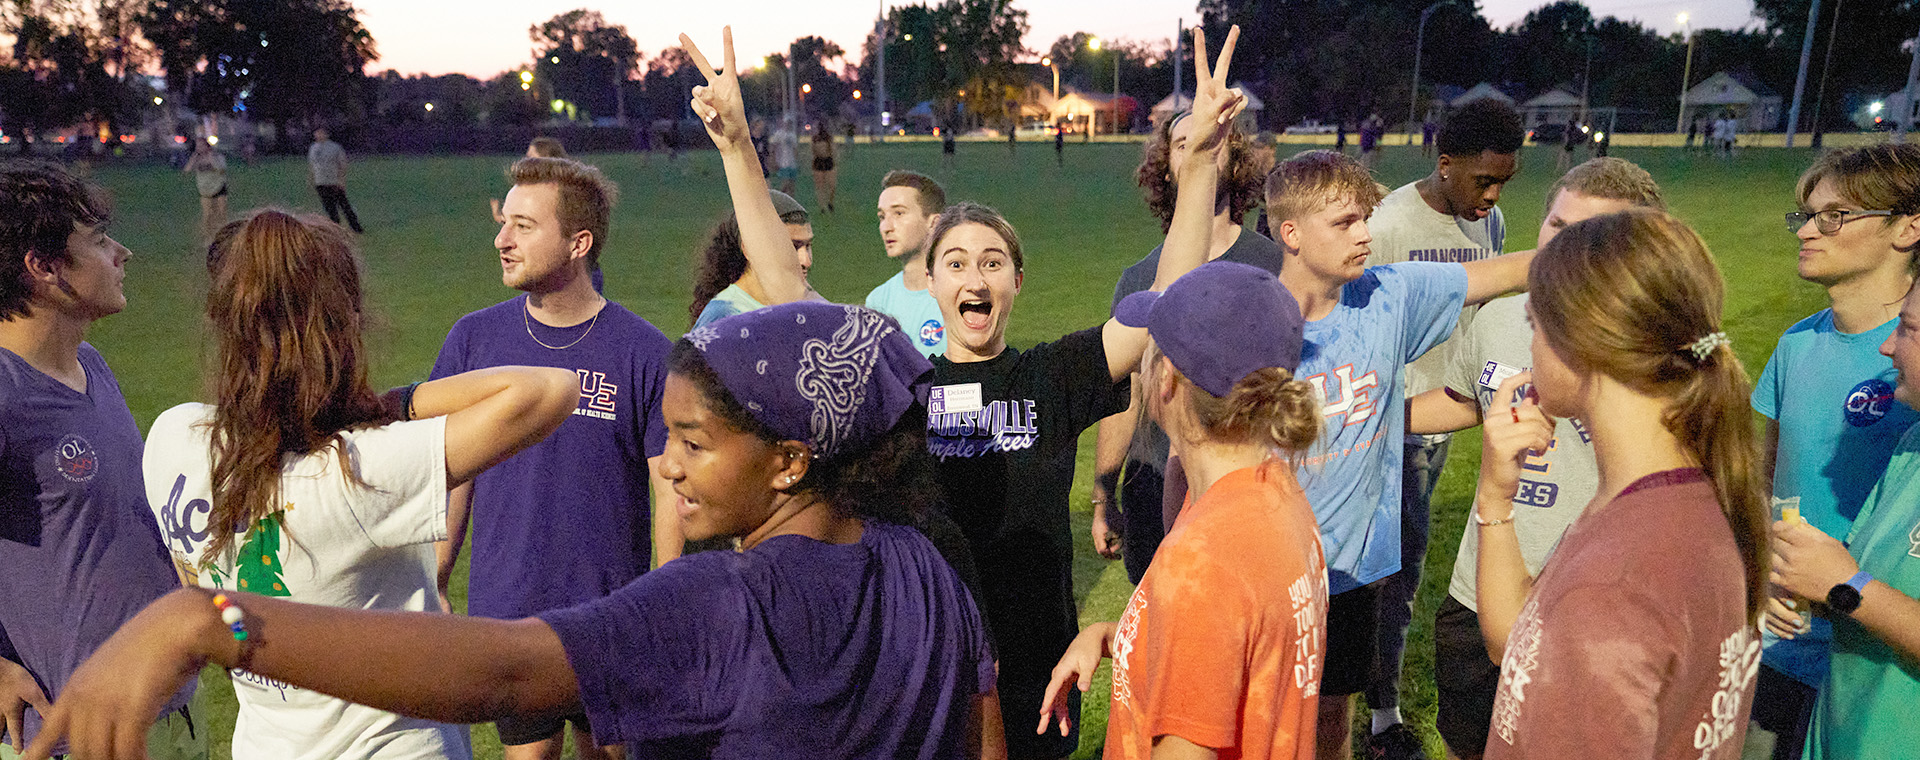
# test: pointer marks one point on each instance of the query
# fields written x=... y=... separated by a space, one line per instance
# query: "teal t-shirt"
x=1866 y=708
x=728 y=302
x=1832 y=394
x=915 y=310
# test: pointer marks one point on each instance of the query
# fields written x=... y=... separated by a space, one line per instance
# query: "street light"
x=1419 y=36
x=1048 y=62
x=1686 y=73
x=429 y=108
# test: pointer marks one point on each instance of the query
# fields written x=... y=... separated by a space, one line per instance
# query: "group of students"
x=887 y=486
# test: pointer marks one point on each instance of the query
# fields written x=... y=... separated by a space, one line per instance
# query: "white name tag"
x=954 y=399
x=1494 y=373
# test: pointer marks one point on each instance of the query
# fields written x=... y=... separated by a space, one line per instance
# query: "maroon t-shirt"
x=1635 y=641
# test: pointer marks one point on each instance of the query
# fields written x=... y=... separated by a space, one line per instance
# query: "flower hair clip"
x=1704 y=347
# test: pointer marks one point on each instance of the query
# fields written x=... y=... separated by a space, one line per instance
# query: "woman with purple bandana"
x=836 y=631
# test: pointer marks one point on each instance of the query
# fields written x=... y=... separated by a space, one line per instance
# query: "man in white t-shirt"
x=1555 y=485
x=327 y=168
x=1447 y=216
x=910 y=202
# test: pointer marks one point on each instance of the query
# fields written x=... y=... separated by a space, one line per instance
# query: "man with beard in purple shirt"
x=78 y=547
x=568 y=520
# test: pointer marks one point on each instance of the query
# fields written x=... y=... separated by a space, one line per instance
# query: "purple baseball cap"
x=837 y=377
x=1220 y=323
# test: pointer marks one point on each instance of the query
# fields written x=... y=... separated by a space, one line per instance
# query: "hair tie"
x=1704 y=347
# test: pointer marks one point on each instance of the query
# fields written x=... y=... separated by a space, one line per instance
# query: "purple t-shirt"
x=568 y=519
x=796 y=648
x=79 y=552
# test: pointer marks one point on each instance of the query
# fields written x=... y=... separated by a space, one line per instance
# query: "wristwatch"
x=1844 y=598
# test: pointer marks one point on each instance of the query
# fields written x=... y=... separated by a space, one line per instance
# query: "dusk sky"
x=484 y=37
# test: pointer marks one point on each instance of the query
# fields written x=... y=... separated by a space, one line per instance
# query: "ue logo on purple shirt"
x=1869 y=402
x=930 y=332
x=75 y=459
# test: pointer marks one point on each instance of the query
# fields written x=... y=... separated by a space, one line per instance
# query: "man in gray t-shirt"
x=1447 y=216
x=327 y=166
x=1555 y=486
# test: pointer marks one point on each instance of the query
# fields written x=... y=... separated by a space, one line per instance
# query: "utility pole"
x=1906 y=95
x=1179 y=44
x=1419 y=37
x=1833 y=30
x=880 y=75
x=1686 y=75
x=1800 y=79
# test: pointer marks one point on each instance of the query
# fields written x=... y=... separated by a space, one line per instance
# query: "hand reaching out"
x=1082 y=658
x=718 y=102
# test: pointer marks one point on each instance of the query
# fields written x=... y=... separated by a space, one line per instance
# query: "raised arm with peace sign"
x=773 y=264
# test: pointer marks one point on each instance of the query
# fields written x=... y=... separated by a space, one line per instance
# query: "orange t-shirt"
x=1223 y=641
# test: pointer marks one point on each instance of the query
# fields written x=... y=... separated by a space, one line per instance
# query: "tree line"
x=294 y=63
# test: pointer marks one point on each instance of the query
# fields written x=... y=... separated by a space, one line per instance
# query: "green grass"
x=430 y=260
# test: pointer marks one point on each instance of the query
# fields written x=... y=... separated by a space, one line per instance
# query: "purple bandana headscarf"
x=837 y=377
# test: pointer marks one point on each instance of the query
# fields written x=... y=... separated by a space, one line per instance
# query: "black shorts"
x=1467 y=680
x=519 y=730
x=821 y=164
x=1353 y=619
x=222 y=193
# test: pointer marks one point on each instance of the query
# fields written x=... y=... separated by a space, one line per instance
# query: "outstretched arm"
x=771 y=257
x=494 y=413
x=437 y=667
x=1190 y=234
x=1492 y=278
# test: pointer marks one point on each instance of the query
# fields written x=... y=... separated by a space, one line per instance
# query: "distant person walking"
x=1725 y=130
x=1060 y=147
x=209 y=170
x=946 y=148
x=826 y=179
x=785 y=145
x=327 y=167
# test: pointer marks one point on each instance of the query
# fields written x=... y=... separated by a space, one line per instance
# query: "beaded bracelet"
x=231 y=615
x=235 y=619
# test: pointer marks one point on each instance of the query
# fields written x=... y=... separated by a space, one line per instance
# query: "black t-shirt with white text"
x=1006 y=469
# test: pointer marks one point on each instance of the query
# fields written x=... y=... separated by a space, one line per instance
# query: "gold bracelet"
x=1485 y=523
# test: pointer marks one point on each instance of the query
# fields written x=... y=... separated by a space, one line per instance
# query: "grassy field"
x=430 y=260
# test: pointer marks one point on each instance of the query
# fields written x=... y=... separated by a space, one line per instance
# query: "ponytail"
x=1712 y=418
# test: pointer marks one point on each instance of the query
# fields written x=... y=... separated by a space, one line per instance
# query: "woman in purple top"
x=1638 y=638
x=834 y=632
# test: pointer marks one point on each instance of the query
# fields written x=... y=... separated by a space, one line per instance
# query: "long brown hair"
x=1625 y=295
x=284 y=300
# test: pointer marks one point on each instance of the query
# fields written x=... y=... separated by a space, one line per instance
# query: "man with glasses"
x=1828 y=394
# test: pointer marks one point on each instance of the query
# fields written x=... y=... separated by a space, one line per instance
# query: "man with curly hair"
x=1447 y=216
x=1138 y=484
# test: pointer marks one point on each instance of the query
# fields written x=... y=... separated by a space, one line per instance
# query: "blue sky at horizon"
x=484 y=37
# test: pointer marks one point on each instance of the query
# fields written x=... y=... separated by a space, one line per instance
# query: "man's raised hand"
x=718 y=102
x=1215 y=105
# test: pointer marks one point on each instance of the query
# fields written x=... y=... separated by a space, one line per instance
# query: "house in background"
x=1754 y=105
x=1555 y=106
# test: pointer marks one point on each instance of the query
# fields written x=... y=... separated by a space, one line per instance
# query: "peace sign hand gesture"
x=718 y=102
x=1215 y=105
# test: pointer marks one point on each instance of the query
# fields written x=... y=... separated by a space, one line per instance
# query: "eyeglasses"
x=1829 y=221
